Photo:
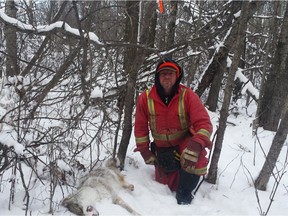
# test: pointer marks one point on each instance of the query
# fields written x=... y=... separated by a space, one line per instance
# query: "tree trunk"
x=171 y=25
x=220 y=55
x=12 y=68
x=149 y=23
x=131 y=69
x=271 y=46
x=213 y=170
x=273 y=154
x=213 y=96
x=191 y=70
x=133 y=60
x=276 y=88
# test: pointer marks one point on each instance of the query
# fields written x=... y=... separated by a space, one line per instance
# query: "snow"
x=96 y=93
x=236 y=15
x=233 y=194
x=241 y=160
x=6 y=140
x=248 y=85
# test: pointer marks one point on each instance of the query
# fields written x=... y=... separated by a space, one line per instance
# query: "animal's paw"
x=130 y=187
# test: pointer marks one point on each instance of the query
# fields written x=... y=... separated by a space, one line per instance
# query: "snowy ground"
x=241 y=159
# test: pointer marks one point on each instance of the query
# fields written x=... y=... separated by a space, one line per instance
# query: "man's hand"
x=149 y=157
x=189 y=156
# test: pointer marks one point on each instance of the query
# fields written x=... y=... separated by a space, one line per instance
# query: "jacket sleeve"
x=200 y=124
x=141 y=130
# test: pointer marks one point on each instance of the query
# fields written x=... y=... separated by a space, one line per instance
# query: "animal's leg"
x=111 y=164
x=124 y=184
x=119 y=201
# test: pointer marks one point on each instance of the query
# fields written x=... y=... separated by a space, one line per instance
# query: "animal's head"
x=75 y=206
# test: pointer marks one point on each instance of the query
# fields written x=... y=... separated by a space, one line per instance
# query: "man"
x=180 y=127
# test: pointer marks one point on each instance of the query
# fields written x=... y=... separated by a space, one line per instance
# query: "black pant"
x=188 y=182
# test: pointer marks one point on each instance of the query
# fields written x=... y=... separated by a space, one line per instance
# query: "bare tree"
x=131 y=66
x=273 y=155
x=247 y=9
x=12 y=67
x=275 y=88
x=133 y=60
x=171 y=26
x=270 y=48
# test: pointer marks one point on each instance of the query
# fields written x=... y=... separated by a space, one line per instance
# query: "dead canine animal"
x=101 y=183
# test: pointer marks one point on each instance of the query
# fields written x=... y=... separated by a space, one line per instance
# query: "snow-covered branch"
x=45 y=29
x=248 y=85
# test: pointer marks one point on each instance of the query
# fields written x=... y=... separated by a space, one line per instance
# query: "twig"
x=27 y=195
x=256 y=192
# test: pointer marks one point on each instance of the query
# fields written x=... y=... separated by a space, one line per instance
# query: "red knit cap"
x=169 y=66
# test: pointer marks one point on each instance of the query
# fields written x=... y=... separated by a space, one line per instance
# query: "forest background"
x=71 y=72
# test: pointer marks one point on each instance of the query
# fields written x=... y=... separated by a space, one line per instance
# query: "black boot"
x=187 y=184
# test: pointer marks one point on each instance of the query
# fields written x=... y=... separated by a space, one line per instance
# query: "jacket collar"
x=153 y=94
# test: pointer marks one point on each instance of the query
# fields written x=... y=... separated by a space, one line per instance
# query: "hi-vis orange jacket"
x=170 y=125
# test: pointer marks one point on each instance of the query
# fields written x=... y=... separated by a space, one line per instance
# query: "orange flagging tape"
x=161 y=8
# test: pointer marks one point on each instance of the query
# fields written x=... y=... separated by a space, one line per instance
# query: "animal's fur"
x=95 y=186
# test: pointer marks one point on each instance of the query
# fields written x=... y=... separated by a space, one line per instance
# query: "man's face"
x=167 y=80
